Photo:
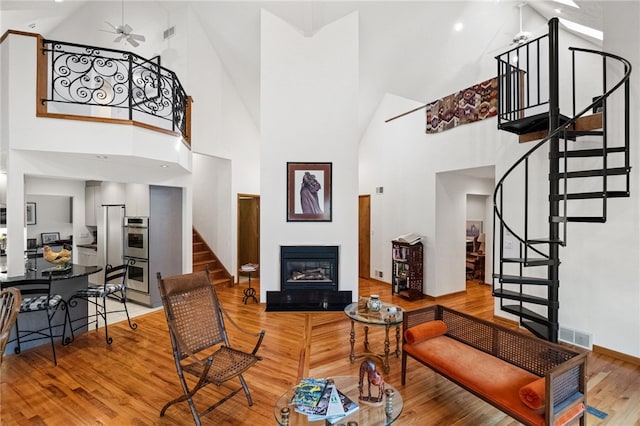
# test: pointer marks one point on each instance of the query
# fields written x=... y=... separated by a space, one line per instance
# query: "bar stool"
x=115 y=288
x=37 y=297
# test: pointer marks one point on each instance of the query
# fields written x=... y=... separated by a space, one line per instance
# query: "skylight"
x=582 y=29
x=568 y=3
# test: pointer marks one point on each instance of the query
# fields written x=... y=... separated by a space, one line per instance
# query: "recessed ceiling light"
x=458 y=26
x=164 y=166
x=102 y=157
x=558 y=10
x=583 y=29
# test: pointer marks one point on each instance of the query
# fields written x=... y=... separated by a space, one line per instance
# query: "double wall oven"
x=136 y=248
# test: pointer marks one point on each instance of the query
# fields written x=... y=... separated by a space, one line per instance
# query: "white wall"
x=212 y=206
x=222 y=131
x=309 y=111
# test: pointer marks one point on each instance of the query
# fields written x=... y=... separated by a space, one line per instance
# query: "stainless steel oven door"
x=138 y=276
x=136 y=242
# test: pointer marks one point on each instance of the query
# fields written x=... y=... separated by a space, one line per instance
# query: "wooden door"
x=249 y=230
x=364 y=236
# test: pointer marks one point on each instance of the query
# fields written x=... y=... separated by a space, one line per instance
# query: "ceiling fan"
x=124 y=32
x=521 y=37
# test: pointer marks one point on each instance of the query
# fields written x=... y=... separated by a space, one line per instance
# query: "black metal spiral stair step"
x=529 y=261
x=590 y=195
x=514 y=295
x=583 y=153
x=523 y=312
x=517 y=279
x=541 y=330
x=573 y=134
x=615 y=171
x=544 y=240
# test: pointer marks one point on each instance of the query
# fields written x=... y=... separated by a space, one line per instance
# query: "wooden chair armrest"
x=259 y=335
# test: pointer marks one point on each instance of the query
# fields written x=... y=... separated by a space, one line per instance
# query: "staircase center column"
x=554 y=190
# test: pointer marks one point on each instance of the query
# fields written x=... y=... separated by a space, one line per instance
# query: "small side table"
x=249 y=292
x=361 y=314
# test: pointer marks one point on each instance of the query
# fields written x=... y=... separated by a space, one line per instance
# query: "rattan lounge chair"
x=199 y=338
x=10 y=300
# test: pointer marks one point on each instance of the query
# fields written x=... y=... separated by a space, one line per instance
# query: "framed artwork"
x=30 y=214
x=474 y=228
x=49 y=237
x=308 y=192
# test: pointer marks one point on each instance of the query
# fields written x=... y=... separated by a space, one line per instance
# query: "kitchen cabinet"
x=137 y=199
x=92 y=203
x=89 y=257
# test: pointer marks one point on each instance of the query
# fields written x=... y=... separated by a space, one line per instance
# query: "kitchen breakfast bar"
x=64 y=283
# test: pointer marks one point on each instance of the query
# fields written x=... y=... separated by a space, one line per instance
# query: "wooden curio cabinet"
x=406 y=269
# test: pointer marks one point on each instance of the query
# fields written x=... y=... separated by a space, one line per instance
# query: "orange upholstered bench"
x=534 y=381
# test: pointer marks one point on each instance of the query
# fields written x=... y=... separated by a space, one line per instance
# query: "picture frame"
x=30 y=213
x=309 y=188
x=474 y=228
x=49 y=237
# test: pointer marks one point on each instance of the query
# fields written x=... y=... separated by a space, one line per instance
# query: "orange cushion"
x=532 y=394
x=570 y=415
x=425 y=331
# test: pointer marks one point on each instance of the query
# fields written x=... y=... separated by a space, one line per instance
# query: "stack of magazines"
x=319 y=399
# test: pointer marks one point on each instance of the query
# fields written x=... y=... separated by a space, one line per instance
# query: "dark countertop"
x=88 y=246
x=42 y=267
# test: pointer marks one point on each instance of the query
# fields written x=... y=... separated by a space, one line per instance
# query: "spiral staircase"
x=587 y=166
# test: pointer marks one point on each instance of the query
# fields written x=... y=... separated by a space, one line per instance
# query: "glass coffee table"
x=379 y=414
x=388 y=316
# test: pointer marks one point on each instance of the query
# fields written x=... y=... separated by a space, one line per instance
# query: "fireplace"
x=309 y=268
x=308 y=280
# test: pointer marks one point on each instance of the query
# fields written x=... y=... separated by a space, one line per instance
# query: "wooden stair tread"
x=583 y=124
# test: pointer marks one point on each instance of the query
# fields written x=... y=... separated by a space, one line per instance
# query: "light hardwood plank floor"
x=128 y=382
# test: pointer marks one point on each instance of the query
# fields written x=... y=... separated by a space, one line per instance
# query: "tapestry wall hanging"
x=466 y=106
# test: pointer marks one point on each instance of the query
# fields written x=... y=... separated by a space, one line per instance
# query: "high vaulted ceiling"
x=402 y=44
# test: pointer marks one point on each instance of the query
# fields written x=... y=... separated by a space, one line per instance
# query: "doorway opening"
x=248 y=231
x=364 y=236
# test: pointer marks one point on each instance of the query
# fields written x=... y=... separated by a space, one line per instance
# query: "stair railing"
x=563 y=130
x=113 y=85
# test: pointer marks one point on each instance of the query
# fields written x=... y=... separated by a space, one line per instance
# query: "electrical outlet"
x=377 y=273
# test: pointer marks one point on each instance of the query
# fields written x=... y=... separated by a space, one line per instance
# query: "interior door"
x=364 y=236
x=249 y=230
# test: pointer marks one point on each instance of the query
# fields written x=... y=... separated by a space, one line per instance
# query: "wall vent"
x=578 y=338
x=169 y=32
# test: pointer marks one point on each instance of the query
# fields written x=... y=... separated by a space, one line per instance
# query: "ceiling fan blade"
x=132 y=42
x=126 y=28
x=138 y=37
x=112 y=26
x=108 y=31
x=117 y=39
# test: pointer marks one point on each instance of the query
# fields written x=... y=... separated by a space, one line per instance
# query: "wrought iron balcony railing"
x=112 y=85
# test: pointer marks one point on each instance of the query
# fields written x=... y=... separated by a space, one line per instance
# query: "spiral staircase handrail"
x=559 y=130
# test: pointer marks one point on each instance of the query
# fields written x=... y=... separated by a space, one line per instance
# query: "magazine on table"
x=332 y=406
x=308 y=392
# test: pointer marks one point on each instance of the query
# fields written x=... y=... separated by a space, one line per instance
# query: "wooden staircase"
x=203 y=256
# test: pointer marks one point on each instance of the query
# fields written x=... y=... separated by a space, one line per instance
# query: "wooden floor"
x=128 y=382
